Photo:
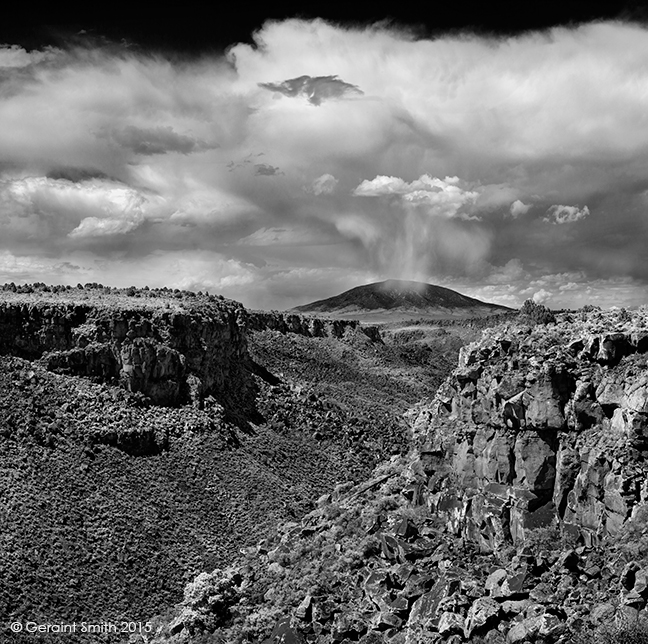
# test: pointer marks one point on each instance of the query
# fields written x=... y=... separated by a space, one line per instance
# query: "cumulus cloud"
x=95 y=227
x=518 y=208
x=315 y=89
x=324 y=185
x=15 y=56
x=445 y=197
x=418 y=227
x=541 y=296
x=566 y=214
x=87 y=208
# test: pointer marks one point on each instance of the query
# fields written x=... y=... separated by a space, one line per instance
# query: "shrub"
x=332 y=511
x=537 y=313
x=632 y=541
x=386 y=503
x=549 y=538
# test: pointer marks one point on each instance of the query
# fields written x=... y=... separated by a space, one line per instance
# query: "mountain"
x=393 y=298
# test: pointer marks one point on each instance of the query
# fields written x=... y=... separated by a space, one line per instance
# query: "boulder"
x=450 y=623
x=483 y=612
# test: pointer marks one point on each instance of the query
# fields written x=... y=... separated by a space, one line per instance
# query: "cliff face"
x=541 y=423
x=307 y=326
x=171 y=355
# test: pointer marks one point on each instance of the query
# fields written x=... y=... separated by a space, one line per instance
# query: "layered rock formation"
x=310 y=327
x=541 y=423
x=170 y=354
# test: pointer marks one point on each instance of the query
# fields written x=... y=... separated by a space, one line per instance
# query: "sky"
x=292 y=157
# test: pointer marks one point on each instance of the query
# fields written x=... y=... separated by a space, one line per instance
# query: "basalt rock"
x=307 y=326
x=539 y=424
x=170 y=354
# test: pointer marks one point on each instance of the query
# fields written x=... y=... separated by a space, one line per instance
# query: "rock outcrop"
x=308 y=326
x=540 y=424
x=170 y=353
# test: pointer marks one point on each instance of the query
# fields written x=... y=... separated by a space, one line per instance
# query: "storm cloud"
x=504 y=167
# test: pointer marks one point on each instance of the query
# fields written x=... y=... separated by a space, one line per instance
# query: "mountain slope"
x=401 y=296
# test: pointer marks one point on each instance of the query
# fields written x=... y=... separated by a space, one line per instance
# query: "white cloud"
x=15 y=56
x=541 y=296
x=87 y=208
x=444 y=197
x=324 y=185
x=95 y=227
x=566 y=214
x=519 y=208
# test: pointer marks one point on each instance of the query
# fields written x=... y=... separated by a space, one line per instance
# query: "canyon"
x=320 y=480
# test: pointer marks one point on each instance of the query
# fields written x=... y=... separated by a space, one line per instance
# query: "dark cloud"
x=315 y=88
x=76 y=175
x=157 y=140
x=265 y=170
x=231 y=166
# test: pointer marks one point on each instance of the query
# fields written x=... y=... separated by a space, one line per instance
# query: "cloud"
x=428 y=172
x=266 y=170
x=284 y=237
x=381 y=186
x=14 y=266
x=444 y=197
x=95 y=227
x=566 y=214
x=315 y=89
x=158 y=140
x=324 y=185
x=86 y=208
x=13 y=56
x=541 y=296
x=518 y=208
x=418 y=227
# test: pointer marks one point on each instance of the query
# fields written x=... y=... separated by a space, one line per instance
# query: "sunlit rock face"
x=170 y=355
x=539 y=422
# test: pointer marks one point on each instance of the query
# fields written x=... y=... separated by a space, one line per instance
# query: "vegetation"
x=537 y=313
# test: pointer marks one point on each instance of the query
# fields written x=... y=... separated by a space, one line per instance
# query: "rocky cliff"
x=170 y=353
x=308 y=326
x=541 y=423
